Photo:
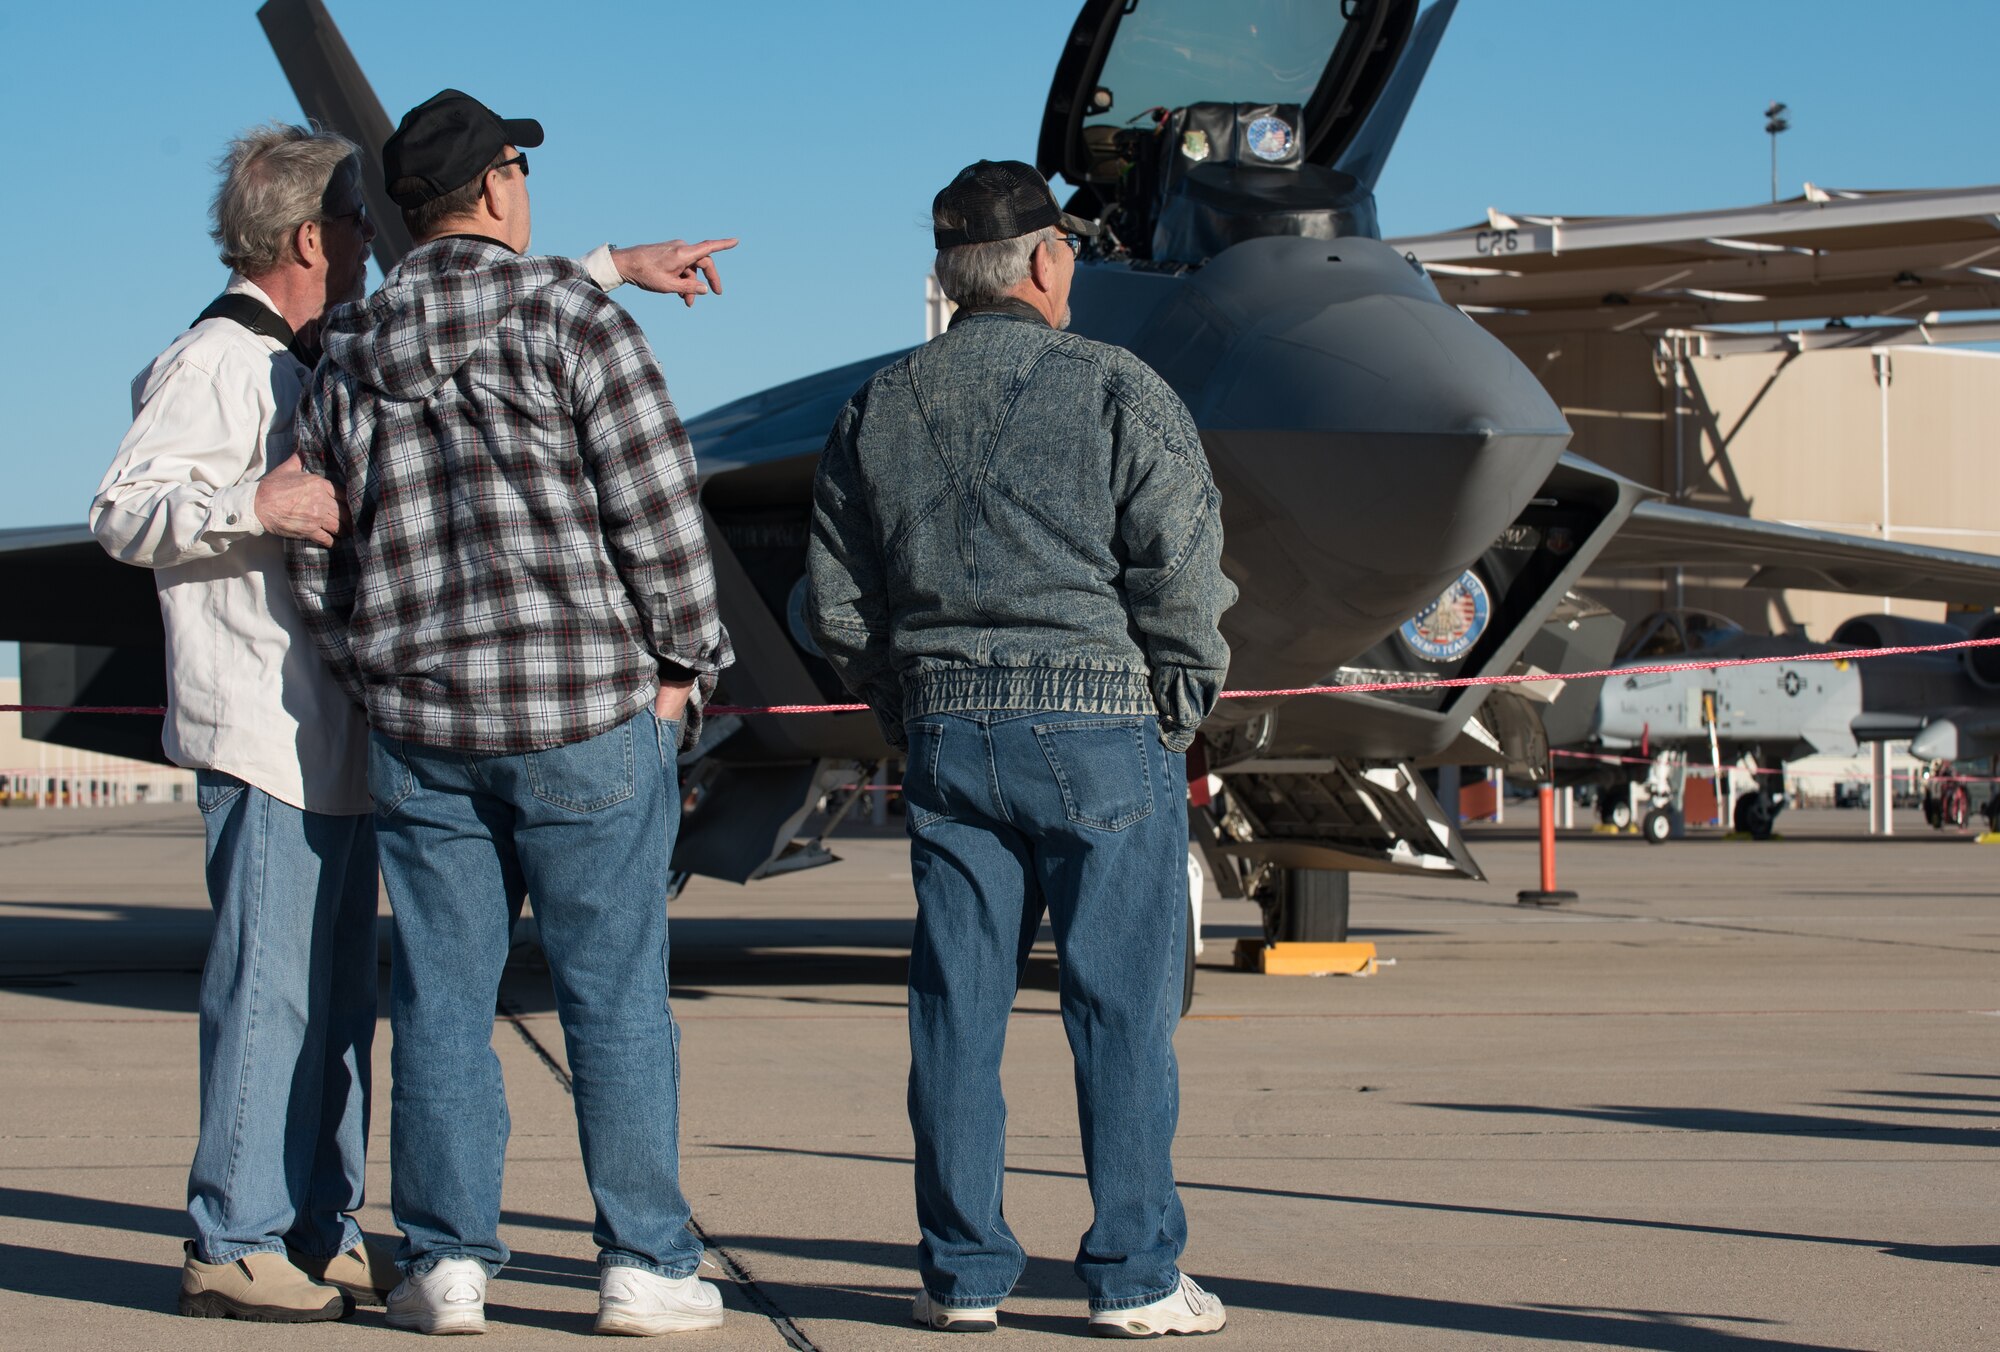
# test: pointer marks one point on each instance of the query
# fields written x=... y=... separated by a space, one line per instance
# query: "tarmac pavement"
x=1738 y=1096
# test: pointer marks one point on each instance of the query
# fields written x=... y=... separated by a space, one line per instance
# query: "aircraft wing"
x=1782 y=557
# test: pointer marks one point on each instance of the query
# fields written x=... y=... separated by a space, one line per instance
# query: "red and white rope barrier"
x=1360 y=688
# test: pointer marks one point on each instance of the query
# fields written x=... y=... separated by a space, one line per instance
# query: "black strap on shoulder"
x=257 y=317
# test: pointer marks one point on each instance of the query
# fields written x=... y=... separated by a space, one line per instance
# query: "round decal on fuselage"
x=1270 y=138
x=1446 y=629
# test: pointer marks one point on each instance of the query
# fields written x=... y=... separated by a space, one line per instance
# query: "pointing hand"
x=674 y=267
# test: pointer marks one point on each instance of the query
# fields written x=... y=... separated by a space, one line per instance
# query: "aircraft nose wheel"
x=1305 y=905
x=1658 y=826
x=1754 y=816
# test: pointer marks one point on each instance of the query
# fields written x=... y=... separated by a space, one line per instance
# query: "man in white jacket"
x=203 y=491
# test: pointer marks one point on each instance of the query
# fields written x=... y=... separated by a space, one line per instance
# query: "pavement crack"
x=753 y=1293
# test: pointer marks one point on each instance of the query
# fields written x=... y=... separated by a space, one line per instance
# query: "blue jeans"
x=1085 y=816
x=287 y=1020
x=587 y=830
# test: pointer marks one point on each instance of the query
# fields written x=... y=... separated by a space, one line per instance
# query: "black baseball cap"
x=444 y=143
x=1001 y=199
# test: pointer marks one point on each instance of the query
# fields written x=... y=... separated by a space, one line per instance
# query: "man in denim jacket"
x=1015 y=560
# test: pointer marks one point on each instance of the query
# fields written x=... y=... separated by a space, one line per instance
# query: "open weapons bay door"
x=1188 y=125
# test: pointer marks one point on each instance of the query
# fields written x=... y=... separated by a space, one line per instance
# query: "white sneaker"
x=1188 y=1310
x=450 y=1298
x=953 y=1319
x=640 y=1303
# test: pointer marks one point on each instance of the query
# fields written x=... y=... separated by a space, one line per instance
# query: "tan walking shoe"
x=264 y=1287
x=367 y=1272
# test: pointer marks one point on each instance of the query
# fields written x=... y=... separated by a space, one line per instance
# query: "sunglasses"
x=520 y=159
x=359 y=215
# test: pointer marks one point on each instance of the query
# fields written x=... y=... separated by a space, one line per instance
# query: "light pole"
x=1775 y=122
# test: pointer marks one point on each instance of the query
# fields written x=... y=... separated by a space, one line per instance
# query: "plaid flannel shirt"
x=526 y=558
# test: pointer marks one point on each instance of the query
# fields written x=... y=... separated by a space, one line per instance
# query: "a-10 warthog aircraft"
x=1397 y=495
x=1644 y=725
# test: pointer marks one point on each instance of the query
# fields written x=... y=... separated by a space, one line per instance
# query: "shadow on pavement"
x=63 y=1208
x=149 y=1287
x=1941 y=1253
x=1734 y=1120
x=1052 y=1278
x=90 y=1278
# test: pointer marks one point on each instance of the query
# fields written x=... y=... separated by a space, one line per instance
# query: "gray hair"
x=428 y=218
x=979 y=274
x=274 y=179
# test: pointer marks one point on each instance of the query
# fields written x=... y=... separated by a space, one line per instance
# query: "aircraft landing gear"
x=1664 y=781
x=1309 y=905
x=1614 y=808
x=1756 y=813
x=1187 y=980
x=1196 y=881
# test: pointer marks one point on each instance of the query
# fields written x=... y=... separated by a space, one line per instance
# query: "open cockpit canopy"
x=1669 y=634
x=1188 y=124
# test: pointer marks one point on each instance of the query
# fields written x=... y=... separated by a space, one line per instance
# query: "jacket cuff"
x=232 y=513
x=892 y=732
x=603 y=271
x=1184 y=696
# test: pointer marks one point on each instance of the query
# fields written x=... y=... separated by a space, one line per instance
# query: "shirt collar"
x=305 y=353
x=239 y=285
x=479 y=239
x=1010 y=306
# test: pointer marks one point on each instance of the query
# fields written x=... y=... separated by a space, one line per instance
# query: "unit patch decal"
x=1446 y=629
x=1270 y=138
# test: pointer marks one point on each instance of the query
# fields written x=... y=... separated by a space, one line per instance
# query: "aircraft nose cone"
x=1370 y=441
x=1362 y=345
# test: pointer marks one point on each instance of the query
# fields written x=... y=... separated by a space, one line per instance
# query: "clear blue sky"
x=819 y=131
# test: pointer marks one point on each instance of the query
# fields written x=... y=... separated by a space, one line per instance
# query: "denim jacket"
x=1013 y=517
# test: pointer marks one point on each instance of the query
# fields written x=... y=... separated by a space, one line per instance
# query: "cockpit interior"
x=1189 y=126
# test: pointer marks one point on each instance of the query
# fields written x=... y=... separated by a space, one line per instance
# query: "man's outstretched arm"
x=672 y=267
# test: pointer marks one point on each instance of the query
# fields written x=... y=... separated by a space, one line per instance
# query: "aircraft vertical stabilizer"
x=336 y=95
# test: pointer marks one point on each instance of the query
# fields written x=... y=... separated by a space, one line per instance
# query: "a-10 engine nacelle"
x=1982 y=665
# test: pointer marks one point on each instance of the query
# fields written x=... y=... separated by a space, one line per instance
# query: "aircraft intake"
x=1982 y=665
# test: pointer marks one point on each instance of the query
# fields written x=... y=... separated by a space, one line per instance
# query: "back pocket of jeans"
x=1100 y=765
x=585 y=776
x=923 y=800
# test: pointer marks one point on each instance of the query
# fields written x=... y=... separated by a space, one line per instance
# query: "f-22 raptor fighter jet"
x=1397 y=495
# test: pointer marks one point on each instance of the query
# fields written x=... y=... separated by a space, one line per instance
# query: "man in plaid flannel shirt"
x=526 y=609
